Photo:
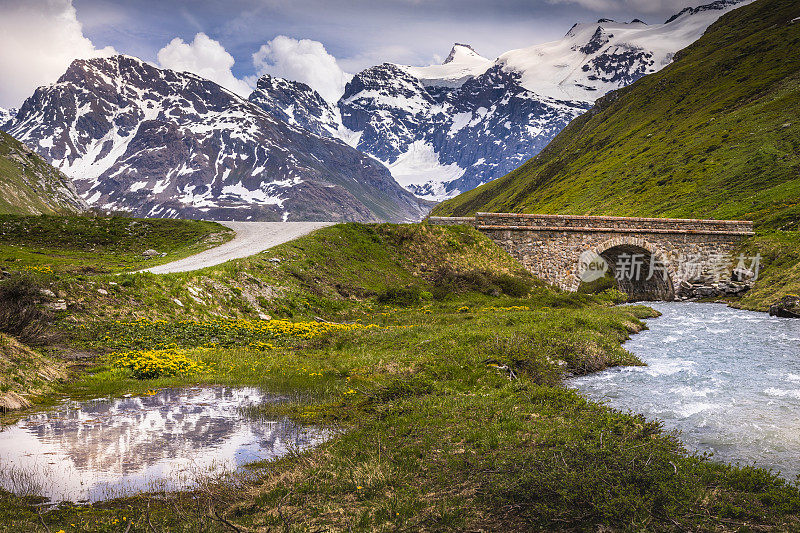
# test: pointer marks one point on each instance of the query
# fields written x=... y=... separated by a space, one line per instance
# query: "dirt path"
x=251 y=238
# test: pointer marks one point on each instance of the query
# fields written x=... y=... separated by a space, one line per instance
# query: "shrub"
x=520 y=353
x=400 y=296
x=447 y=282
x=21 y=313
x=614 y=296
x=515 y=286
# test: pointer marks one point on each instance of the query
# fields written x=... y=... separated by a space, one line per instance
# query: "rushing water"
x=728 y=380
x=89 y=451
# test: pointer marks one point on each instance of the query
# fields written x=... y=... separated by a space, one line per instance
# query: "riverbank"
x=446 y=385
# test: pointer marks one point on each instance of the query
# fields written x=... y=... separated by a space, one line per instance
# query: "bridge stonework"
x=552 y=246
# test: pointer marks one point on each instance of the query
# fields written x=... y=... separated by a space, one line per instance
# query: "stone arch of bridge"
x=658 y=286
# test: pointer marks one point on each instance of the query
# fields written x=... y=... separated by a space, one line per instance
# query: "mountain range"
x=445 y=129
x=160 y=143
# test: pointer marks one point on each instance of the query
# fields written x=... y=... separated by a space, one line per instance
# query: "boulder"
x=786 y=307
x=705 y=291
x=150 y=253
x=742 y=274
x=58 y=305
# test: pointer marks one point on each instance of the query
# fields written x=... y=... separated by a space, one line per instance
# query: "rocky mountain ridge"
x=160 y=143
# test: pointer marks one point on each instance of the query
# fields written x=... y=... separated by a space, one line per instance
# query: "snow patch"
x=459 y=121
x=420 y=167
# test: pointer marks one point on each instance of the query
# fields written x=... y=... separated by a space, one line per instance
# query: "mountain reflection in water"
x=102 y=448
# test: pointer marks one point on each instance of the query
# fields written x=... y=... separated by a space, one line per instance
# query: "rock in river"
x=786 y=307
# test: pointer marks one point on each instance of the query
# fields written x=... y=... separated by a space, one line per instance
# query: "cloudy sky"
x=316 y=41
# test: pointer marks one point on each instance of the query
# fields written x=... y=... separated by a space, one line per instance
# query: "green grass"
x=24 y=372
x=92 y=245
x=780 y=272
x=452 y=413
x=329 y=273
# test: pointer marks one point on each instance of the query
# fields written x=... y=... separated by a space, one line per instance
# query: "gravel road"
x=251 y=238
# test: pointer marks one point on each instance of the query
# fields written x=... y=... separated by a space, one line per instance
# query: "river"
x=728 y=380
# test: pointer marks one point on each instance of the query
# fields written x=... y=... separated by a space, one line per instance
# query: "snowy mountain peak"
x=593 y=59
x=462 y=64
x=6 y=115
x=461 y=52
x=717 y=5
x=296 y=103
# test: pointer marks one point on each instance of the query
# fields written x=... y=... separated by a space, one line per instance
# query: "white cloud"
x=38 y=41
x=302 y=60
x=205 y=57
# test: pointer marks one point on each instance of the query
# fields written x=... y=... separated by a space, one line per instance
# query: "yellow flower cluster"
x=213 y=333
x=260 y=345
x=149 y=364
x=40 y=268
x=260 y=328
x=512 y=308
x=463 y=309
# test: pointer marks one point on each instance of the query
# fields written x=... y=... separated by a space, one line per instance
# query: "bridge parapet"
x=610 y=224
x=452 y=221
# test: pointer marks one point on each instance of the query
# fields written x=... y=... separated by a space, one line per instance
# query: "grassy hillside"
x=29 y=185
x=714 y=135
x=438 y=361
x=95 y=244
x=23 y=373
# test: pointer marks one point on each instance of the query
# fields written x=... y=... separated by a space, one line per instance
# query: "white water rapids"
x=727 y=379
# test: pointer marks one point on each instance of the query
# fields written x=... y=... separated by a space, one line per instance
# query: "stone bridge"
x=567 y=250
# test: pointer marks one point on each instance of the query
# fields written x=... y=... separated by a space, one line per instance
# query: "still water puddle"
x=94 y=450
x=728 y=380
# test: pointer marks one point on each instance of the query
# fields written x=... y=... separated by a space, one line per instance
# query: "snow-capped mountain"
x=161 y=143
x=296 y=103
x=445 y=137
x=444 y=129
x=461 y=64
x=593 y=59
x=6 y=115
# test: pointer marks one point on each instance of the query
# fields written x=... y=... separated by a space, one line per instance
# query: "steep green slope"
x=30 y=186
x=714 y=135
